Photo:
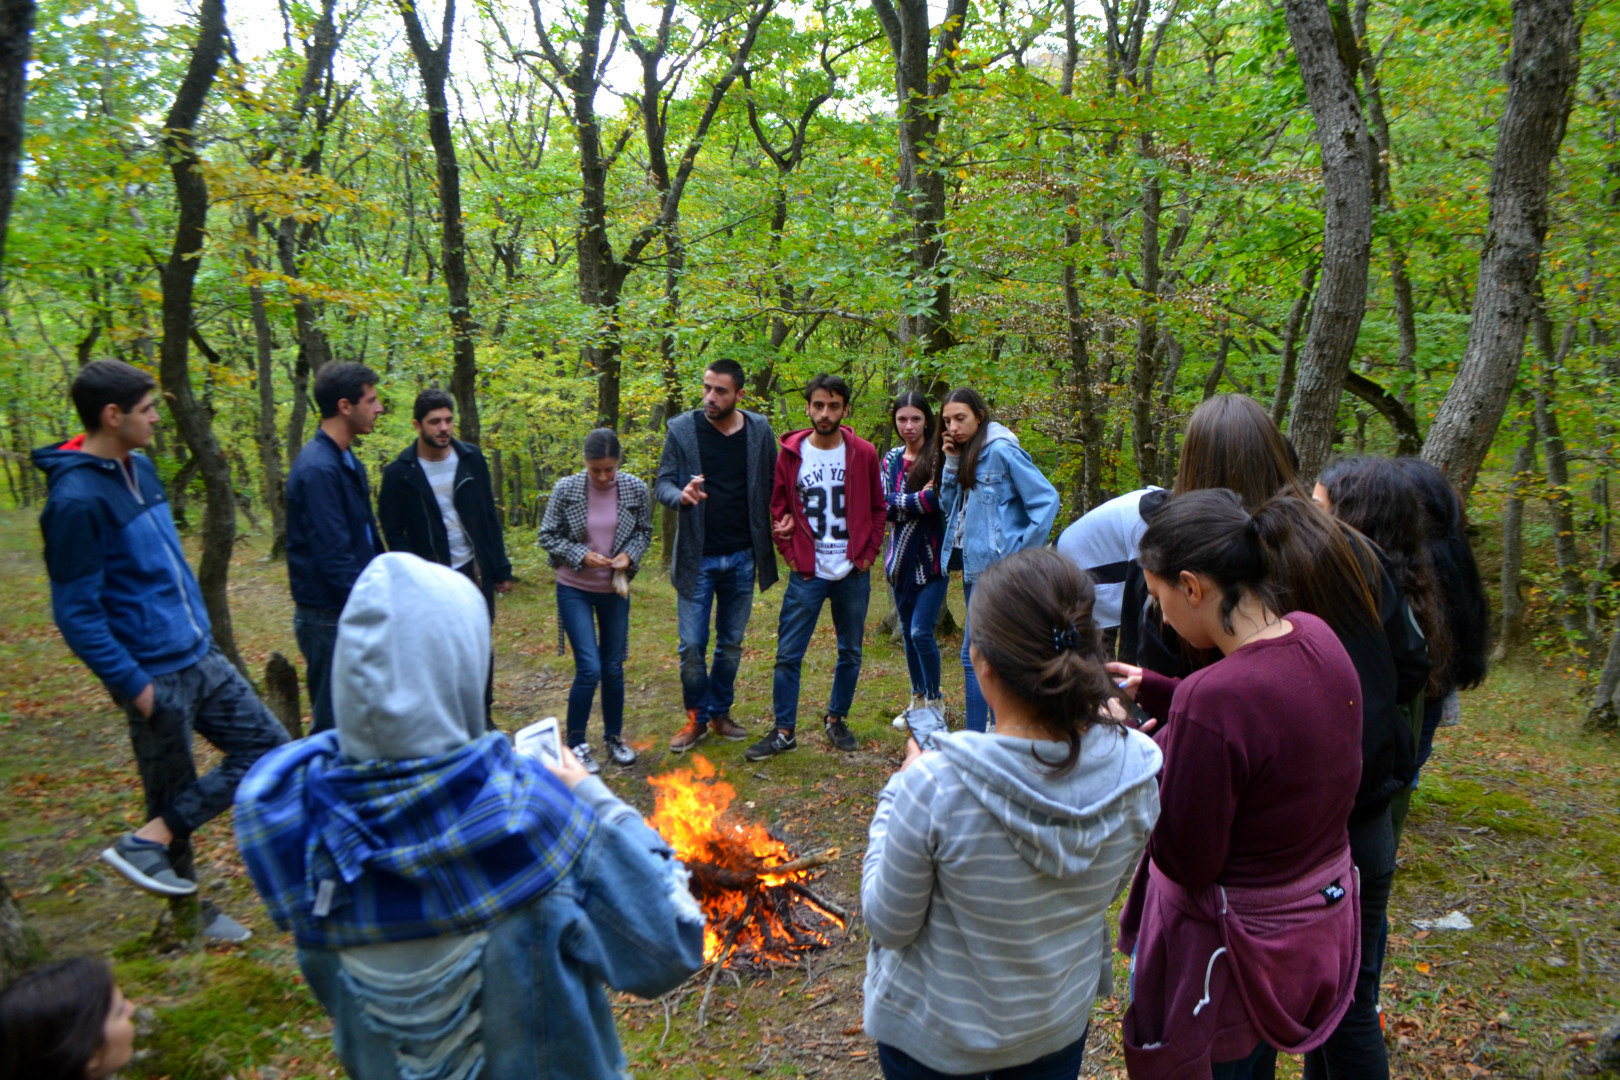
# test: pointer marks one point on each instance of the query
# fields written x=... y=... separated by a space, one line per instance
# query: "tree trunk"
x=921 y=88
x=1540 y=78
x=16 y=29
x=433 y=64
x=1524 y=459
x=1298 y=320
x=269 y=439
x=1565 y=552
x=1326 y=50
x=1144 y=373
x=192 y=418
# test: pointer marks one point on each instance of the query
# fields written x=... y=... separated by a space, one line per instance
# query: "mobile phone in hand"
x=925 y=724
x=542 y=741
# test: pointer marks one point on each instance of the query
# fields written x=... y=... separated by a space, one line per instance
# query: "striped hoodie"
x=986 y=887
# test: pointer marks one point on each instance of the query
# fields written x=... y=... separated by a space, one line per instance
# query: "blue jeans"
x=801 y=607
x=917 y=612
x=725 y=582
x=597 y=659
x=1061 y=1064
x=316 y=631
x=978 y=713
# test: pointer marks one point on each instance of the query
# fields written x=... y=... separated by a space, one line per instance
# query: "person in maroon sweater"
x=1243 y=925
x=827 y=517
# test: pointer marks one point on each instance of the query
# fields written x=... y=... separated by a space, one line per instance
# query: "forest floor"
x=1515 y=825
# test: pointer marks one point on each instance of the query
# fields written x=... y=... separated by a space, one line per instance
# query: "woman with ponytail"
x=912 y=562
x=993 y=858
x=1243 y=924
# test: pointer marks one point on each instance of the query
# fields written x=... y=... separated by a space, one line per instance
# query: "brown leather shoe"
x=727 y=728
x=688 y=737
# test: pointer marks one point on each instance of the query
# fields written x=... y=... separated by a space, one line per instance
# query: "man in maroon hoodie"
x=827 y=516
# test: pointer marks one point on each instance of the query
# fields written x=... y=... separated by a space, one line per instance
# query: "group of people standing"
x=1219 y=695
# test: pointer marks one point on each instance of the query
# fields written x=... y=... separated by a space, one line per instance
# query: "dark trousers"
x=801 y=607
x=1244 y=1068
x=725 y=585
x=1355 y=1050
x=917 y=611
x=598 y=629
x=978 y=711
x=1061 y=1064
x=316 y=631
x=211 y=698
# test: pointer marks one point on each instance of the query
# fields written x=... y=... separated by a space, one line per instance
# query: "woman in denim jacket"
x=995 y=501
x=460 y=911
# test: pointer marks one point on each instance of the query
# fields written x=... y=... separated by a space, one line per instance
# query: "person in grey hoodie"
x=992 y=859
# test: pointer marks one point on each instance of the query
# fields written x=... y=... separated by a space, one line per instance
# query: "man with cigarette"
x=716 y=470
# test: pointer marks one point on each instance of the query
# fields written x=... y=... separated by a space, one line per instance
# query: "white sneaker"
x=916 y=703
x=586 y=758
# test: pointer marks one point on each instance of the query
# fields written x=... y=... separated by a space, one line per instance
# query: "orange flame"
x=692 y=814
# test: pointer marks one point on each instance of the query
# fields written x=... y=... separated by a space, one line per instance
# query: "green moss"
x=1470 y=803
x=215 y=1014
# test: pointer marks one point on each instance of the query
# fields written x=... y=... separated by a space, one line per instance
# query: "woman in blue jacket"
x=995 y=501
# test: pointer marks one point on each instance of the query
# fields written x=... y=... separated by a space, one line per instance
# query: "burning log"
x=725 y=877
x=750 y=884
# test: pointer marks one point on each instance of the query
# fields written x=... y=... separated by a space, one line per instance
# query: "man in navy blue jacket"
x=331 y=532
x=129 y=607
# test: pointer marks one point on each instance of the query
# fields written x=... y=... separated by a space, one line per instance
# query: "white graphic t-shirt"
x=442 y=479
x=821 y=493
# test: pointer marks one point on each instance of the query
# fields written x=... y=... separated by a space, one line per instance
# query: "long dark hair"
x=922 y=470
x=1374 y=496
x=967 y=469
x=53 y=1020
x=1288 y=552
x=1462 y=594
x=1031 y=619
x=1232 y=443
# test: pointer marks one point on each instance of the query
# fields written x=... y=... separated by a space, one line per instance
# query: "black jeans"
x=487 y=587
x=316 y=631
x=1355 y=1050
x=1061 y=1064
x=211 y=698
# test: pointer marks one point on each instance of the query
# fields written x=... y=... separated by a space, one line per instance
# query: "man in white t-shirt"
x=827 y=514
x=437 y=501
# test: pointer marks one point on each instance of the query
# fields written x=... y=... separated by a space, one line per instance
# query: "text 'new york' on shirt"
x=822 y=494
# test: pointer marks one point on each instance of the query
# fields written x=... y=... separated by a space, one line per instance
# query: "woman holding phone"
x=1242 y=926
x=992 y=859
x=995 y=502
x=597 y=527
x=912 y=561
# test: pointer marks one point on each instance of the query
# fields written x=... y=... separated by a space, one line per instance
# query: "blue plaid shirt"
x=356 y=854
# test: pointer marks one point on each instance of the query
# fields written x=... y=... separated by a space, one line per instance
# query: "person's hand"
x=621 y=561
x=783 y=527
x=1127 y=677
x=570 y=772
x=595 y=561
x=947 y=443
x=504 y=587
x=146 y=700
x=693 y=492
x=913 y=752
x=861 y=565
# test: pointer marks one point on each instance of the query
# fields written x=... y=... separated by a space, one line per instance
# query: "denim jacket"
x=528 y=995
x=1011 y=507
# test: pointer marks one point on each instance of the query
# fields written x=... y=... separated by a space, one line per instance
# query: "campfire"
x=754 y=890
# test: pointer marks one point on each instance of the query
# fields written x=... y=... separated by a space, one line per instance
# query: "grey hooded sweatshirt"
x=986 y=888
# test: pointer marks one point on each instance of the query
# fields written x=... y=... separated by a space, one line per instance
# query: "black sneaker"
x=839 y=734
x=777 y=742
x=618 y=753
x=583 y=753
x=146 y=863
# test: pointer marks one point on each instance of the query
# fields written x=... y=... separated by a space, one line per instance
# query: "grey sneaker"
x=586 y=758
x=222 y=928
x=777 y=742
x=618 y=753
x=146 y=863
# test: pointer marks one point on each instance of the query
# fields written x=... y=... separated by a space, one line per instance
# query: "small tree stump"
x=281 y=694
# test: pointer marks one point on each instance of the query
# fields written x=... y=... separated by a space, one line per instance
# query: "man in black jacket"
x=331 y=533
x=437 y=502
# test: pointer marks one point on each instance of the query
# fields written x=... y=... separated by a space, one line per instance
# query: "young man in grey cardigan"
x=716 y=469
